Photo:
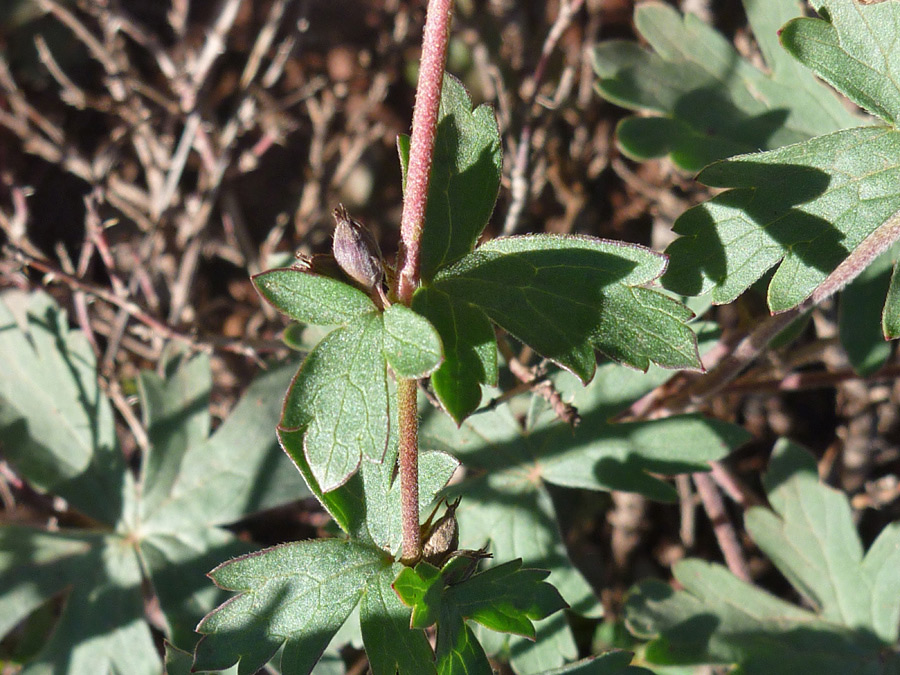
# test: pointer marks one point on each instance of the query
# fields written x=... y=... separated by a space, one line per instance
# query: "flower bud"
x=356 y=251
x=441 y=539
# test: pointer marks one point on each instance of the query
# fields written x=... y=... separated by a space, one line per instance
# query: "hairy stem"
x=421 y=147
x=412 y=222
x=409 y=469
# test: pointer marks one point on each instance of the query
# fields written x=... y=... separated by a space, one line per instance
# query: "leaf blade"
x=339 y=397
x=280 y=598
x=412 y=346
x=311 y=298
x=566 y=295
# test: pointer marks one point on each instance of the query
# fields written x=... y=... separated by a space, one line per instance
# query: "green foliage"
x=810 y=537
x=860 y=316
x=563 y=295
x=503 y=598
x=710 y=102
x=295 y=595
x=853 y=47
x=824 y=187
x=566 y=296
x=465 y=178
x=161 y=531
x=412 y=346
x=508 y=505
x=806 y=206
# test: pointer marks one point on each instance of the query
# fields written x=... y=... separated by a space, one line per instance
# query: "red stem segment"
x=409 y=470
x=421 y=148
x=412 y=222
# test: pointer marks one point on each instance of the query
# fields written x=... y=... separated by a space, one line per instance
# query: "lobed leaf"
x=101 y=626
x=465 y=178
x=175 y=410
x=238 y=470
x=339 y=398
x=810 y=537
x=711 y=102
x=613 y=662
x=566 y=295
x=164 y=540
x=294 y=595
x=312 y=298
x=503 y=598
x=806 y=206
x=854 y=48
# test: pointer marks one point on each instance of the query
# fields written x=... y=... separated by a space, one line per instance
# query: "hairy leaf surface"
x=854 y=48
x=507 y=502
x=339 y=397
x=566 y=296
x=161 y=538
x=805 y=206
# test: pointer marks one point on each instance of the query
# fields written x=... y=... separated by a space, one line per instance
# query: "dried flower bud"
x=357 y=252
x=441 y=539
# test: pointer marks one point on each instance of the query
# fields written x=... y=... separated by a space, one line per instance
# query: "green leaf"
x=56 y=425
x=176 y=564
x=391 y=645
x=470 y=351
x=179 y=662
x=503 y=598
x=507 y=502
x=238 y=470
x=507 y=598
x=458 y=651
x=311 y=298
x=339 y=397
x=859 y=316
x=102 y=626
x=566 y=296
x=806 y=206
x=412 y=346
x=810 y=537
x=890 y=318
x=176 y=415
x=368 y=505
x=465 y=178
x=712 y=103
x=189 y=484
x=854 y=48
x=296 y=595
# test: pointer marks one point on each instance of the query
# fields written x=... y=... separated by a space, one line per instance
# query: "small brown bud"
x=441 y=539
x=357 y=252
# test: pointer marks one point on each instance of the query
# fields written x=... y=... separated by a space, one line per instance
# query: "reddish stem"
x=412 y=222
x=409 y=470
x=421 y=148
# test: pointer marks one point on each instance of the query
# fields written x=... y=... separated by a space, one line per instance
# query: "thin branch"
x=722 y=527
x=518 y=175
